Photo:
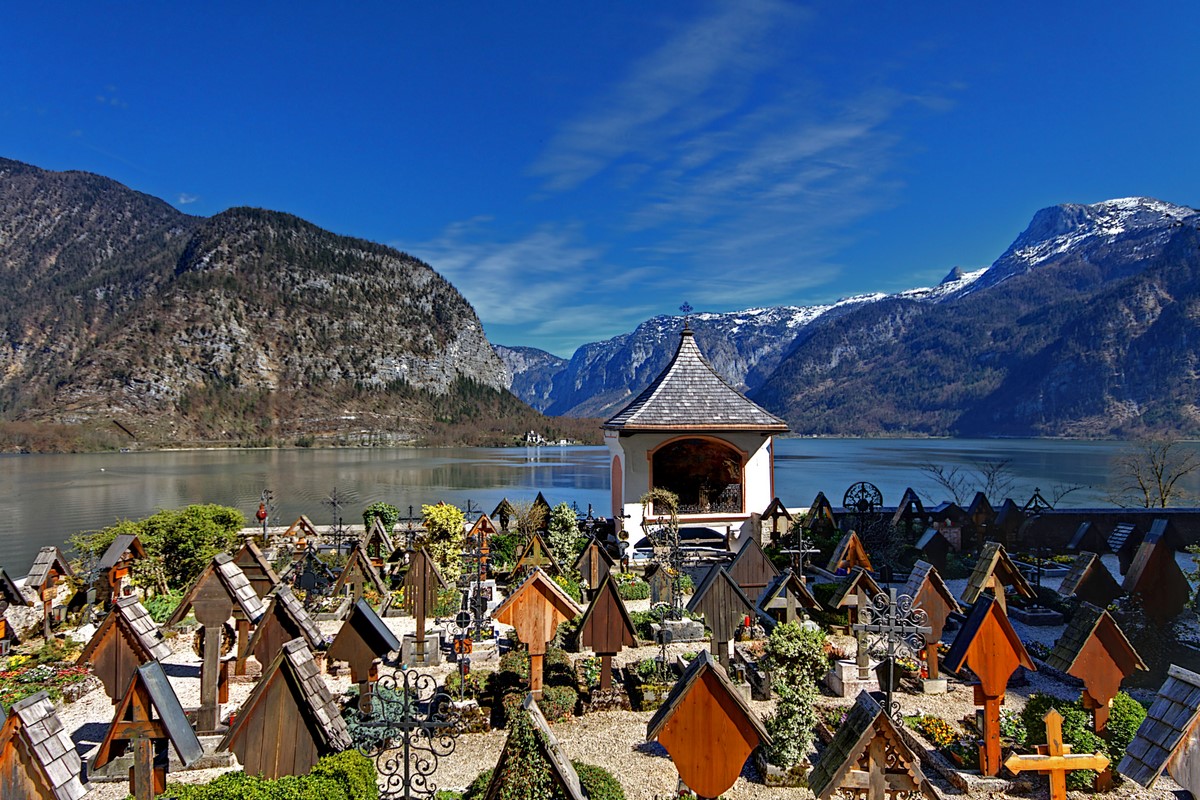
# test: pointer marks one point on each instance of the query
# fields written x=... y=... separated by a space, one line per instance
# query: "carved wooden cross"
x=1056 y=758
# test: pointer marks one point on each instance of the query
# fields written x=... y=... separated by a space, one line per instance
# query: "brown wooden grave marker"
x=363 y=639
x=536 y=553
x=562 y=773
x=535 y=609
x=928 y=591
x=302 y=529
x=855 y=590
x=421 y=585
x=126 y=639
x=10 y=595
x=993 y=572
x=359 y=576
x=1156 y=578
x=48 y=566
x=606 y=628
x=848 y=555
x=777 y=520
x=724 y=606
x=112 y=570
x=707 y=727
x=37 y=758
x=256 y=568
x=751 y=570
x=1169 y=736
x=1090 y=581
x=380 y=544
x=594 y=564
x=285 y=619
x=1055 y=758
x=782 y=599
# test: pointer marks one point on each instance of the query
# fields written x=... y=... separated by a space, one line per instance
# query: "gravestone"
x=535 y=609
x=606 y=628
x=724 y=606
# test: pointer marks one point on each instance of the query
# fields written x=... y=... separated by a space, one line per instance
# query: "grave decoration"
x=256 y=568
x=607 y=628
x=867 y=757
x=724 y=606
x=363 y=639
x=290 y=719
x=302 y=529
x=1055 y=758
x=594 y=564
x=1090 y=581
x=112 y=570
x=380 y=544
x=562 y=773
x=1155 y=577
x=751 y=570
x=285 y=619
x=891 y=625
x=949 y=520
x=147 y=718
x=936 y=548
x=48 y=566
x=37 y=758
x=1169 y=737
x=854 y=591
x=476 y=555
x=863 y=501
x=540 y=502
x=849 y=555
x=126 y=639
x=536 y=553
x=777 y=520
x=421 y=585
x=1087 y=538
x=927 y=589
x=359 y=578
x=784 y=599
x=707 y=727
x=989 y=646
x=535 y=609
x=659 y=578
x=995 y=572
x=10 y=595
x=309 y=574
x=220 y=591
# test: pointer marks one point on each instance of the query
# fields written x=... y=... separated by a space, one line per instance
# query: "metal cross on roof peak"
x=686 y=308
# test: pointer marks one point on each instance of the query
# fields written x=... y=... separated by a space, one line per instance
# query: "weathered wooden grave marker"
x=536 y=553
x=48 y=566
x=302 y=530
x=777 y=520
x=256 y=568
x=126 y=639
x=37 y=758
x=854 y=592
x=751 y=570
x=10 y=595
x=935 y=548
x=535 y=609
x=285 y=619
x=147 y=718
x=707 y=727
x=928 y=590
x=362 y=639
x=112 y=570
x=1090 y=581
x=606 y=628
x=783 y=599
x=421 y=585
x=848 y=555
x=359 y=576
x=1169 y=736
x=594 y=564
x=993 y=572
x=1055 y=758
x=868 y=757
x=991 y=648
x=1155 y=577
x=724 y=606
x=380 y=544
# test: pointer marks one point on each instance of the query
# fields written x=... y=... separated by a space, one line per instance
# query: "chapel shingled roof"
x=689 y=394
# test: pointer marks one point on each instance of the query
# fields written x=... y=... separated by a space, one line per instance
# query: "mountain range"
x=1085 y=326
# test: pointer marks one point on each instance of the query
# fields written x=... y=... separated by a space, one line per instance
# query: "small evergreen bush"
x=558 y=702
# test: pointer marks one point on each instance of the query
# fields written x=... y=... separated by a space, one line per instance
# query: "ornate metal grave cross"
x=686 y=309
x=312 y=576
x=891 y=626
x=337 y=532
x=475 y=559
x=669 y=556
x=801 y=547
x=406 y=724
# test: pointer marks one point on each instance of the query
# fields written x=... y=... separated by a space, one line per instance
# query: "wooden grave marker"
x=606 y=628
x=724 y=606
x=112 y=570
x=1090 y=581
x=359 y=576
x=989 y=646
x=994 y=572
x=1169 y=737
x=37 y=758
x=848 y=555
x=782 y=599
x=868 y=757
x=505 y=512
x=10 y=595
x=1055 y=758
x=256 y=568
x=126 y=639
x=751 y=570
x=303 y=530
x=982 y=516
x=361 y=641
x=290 y=719
x=48 y=566
x=1009 y=520
x=535 y=609
x=1123 y=542
x=536 y=553
x=820 y=520
x=854 y=592
x=1155 y=577
x=284 y=620
x=935 y=548
x=1087 y=538
x=421 y=585
x=549 y=752
x=929 y=592
x=380 y=544
x=147 y=718
x=777 y=520
x=594 y=564
x=707 y=727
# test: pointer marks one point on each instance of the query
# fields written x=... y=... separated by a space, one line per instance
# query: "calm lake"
x=46 y=498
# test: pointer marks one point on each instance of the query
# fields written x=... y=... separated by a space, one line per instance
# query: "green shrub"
x=571 y=586
x=503 y=549
x=631 y=587
x=642 y=620
x=474 y=686
x=352 y=770
x=387 y=513
x=597 y=782
x=1125 y=715
x=558 y=702
x=1076 y=729
x=478 y=787
x=344 y=776
x=162 y=606
x=516 y=662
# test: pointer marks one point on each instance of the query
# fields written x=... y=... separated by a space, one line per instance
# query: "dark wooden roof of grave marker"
x=775 y=510
x=950 y=512
x=126 y=542
x=910 y=508
x=166 y=705
x=594 y=563
x=504 y=507
x=541 y=502
x=1094 y=649
x=364 y=625
x=707 y=727
x=359 y=565
x=689 y=395
x=126 y=639
x=722 y=602
x=751 y=569
x=820 y=514
x=980 y=510
x=846 y=762
x=536 y=553
x=10 y=593
x=379 y=537
x=302 y=528
x=246 y=602
x=784 y=586
x=934 y=546
x=849 y=554
x=1155 y=576
x=256 y=568
x=1090 y=581
x=566 y=780
x=1124 y=536
x=48 y=558
x=987 y=644
x=37 y=757
x=1087 y=537
x=285 y=619
x=606 y=626
x=1168 y=736
x=290 y=719
x=994 y=560
x=431 y=588
x=928 y=591
x=1010 y=516
x=849 y=587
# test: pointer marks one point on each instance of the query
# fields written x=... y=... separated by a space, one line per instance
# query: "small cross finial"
x=686 y=308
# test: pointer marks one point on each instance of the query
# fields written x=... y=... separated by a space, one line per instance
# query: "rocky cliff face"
x=530 y=373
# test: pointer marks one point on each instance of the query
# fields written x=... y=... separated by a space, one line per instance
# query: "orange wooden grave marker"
x=535 y=609
x=1056 y=758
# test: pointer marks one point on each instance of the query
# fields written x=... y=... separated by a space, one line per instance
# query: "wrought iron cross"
x=669 y=555
x=337 y=531
x=801 y=547
x=474 y=556
x=686 y=308
x=892 y=625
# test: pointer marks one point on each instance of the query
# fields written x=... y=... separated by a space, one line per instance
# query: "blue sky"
x=574 y=168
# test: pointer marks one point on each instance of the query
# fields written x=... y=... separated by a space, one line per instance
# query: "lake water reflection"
x=46 y=498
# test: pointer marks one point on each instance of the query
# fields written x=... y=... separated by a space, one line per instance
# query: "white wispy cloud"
x=186 y=199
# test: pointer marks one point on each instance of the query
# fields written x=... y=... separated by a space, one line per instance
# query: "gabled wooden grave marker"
x=707 y=727
x=1055 y=758
x=303 y=530
x=909 y=512
x=819 y=520
x=126 y=639
x=1087 y=538
x=594 y=564
x=1009 y=519
x=989 y=646
x=982 y=517
x=256 y=568
x=37 y=758
x=1169 y=736
x=361 y=641
x=848 y=555
x=783 y=600
x=421 y=585
x=751 y=570
x=549 y=752
x=724 y=606
x=112 y=570
x=535 y=609
x=935 y=548
x=855 y=590
x=504 y=511
x=147 y=718
x=285 y=619
x=380 y=544
x=290 y=719
x=48 y=566
x=868 y=757
x=1090 y=581
x=359 y=576
x=10 y=595
x=1155 y=577
x=536 y=553
x=777 y=520
x=928 y=591
x=994 y=571
x=1123 y=543
x=606 y=628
